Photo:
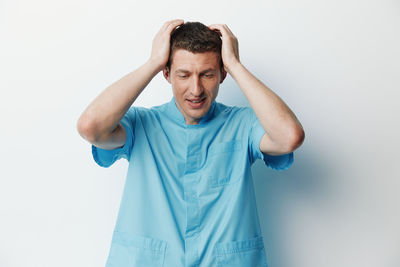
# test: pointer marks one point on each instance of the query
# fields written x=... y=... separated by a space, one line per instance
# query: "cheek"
x=179 y=84
x=180 y=94
x=211 y=85
x=176 y=87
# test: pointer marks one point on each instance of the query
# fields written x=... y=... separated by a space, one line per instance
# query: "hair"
x=195 y=37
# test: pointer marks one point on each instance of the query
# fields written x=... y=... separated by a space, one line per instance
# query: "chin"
x=197 y=115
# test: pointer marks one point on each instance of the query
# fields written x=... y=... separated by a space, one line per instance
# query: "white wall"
x=335 y=63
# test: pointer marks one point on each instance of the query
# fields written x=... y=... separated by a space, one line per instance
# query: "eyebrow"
x=181 y=71
x=186 y=71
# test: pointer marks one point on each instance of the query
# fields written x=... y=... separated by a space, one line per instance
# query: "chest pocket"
x=248 y=252
x=224 y=163
x=129 y=250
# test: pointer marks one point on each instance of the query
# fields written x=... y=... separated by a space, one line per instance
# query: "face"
x=195 y=80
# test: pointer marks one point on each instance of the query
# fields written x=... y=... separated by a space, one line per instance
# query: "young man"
x=189 y=197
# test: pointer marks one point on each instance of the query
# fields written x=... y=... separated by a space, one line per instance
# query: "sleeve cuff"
x=280 y=162
x=106 y=157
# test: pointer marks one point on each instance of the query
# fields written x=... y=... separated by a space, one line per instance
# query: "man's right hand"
x=161 y=43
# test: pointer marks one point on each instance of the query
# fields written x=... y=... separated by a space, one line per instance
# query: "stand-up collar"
x=178 y=116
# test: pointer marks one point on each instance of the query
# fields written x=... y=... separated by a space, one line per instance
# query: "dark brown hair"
x=195 y=37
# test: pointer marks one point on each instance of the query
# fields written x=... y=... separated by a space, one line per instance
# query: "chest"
x=217 y=154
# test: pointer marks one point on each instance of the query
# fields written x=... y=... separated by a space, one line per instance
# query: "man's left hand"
x=230 y=45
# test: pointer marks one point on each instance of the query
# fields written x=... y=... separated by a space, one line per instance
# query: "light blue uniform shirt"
x=188 y=198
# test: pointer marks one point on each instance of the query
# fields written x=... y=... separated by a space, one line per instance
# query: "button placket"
x=191 y=180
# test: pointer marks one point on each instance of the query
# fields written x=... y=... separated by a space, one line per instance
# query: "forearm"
x=279 y=122
x=105 y=112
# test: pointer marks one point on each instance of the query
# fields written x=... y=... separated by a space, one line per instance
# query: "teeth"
x=195 y=101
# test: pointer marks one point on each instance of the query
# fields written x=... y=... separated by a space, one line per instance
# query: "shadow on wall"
x=279 y=192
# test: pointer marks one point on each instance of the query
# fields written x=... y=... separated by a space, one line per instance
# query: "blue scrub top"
x=188 y=198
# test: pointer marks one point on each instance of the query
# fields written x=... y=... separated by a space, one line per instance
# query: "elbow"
x=296 y=139
x=85 y=129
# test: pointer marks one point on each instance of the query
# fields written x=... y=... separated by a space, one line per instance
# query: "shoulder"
x=148 y=116
x=147 y=111
x=234 y=112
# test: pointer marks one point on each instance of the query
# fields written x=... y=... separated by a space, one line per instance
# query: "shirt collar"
x=178 y=116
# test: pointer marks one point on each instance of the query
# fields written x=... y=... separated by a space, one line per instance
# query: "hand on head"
x=230 y=45
x=161 y=43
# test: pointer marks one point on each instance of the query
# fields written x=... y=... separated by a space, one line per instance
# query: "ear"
x=223 y=75
x=166 y=74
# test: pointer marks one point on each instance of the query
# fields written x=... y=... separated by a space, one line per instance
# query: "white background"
x=335 y=63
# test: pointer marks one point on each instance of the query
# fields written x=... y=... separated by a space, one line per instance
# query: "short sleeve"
x=280 y=162
x=106 y=157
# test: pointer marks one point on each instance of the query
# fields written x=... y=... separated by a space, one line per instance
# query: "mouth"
x=196 y=103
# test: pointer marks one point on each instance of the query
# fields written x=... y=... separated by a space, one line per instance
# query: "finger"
x=220 y=27
x=167 y=23
x=217 y=31
x=170 y=25
x=214 y=25
x=225 y=32
x=227 y=29
x=216 y=28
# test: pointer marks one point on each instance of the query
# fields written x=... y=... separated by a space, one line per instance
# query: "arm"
x=100 y=122
x=284 y=132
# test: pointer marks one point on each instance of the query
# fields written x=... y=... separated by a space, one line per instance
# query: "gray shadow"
x=305 y=180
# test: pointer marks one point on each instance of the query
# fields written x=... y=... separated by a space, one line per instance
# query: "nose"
x=197 y=88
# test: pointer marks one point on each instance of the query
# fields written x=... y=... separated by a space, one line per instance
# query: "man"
x=189 y=197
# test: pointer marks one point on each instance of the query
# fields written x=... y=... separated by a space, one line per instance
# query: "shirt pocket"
x=128 y=250
x=248 y=252
x=224 y=163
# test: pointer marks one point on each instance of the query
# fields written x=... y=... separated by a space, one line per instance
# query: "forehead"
x=183 y=59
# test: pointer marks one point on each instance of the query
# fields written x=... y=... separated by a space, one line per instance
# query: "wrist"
x=233 y=67
x=154 y=66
